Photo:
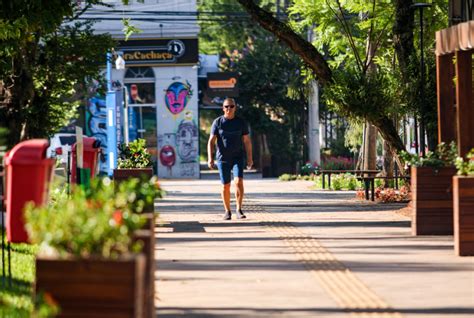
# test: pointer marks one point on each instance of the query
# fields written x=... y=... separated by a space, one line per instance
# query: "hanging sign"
x=159 y=51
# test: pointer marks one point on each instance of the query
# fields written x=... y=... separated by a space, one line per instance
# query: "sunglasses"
x=229 y=106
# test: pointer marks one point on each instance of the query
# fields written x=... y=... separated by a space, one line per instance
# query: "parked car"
x=59 y=146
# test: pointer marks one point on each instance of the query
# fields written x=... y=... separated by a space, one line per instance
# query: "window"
x=140 y=83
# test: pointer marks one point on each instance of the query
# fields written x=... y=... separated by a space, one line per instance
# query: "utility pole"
x=314 y=148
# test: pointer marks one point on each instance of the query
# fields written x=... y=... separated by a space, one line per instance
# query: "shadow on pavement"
x=231 y=312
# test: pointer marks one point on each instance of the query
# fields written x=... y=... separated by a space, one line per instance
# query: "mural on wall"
x=177 y=96
x=96 y=119
x=177 y=123
x=187 y=139
x=167 y=152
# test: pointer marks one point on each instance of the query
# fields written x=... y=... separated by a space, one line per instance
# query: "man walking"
x=231 y=134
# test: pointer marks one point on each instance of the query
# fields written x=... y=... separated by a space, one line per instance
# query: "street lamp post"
x=422 y=148
x=111 y=104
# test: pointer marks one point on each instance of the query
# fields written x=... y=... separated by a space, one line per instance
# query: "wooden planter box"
x=124 y=174
x=463 y=197
x=432 y=200
x=147 y=238
x=94 y=287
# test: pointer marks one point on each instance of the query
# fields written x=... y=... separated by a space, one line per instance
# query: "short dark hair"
x=228 y=99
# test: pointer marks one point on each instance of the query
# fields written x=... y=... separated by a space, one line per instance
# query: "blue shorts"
x=235 y=165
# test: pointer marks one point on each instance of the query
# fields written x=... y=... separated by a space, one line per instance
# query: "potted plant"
x=88 y=260
x=431 y=186
x=143 y=193
x=463 y=203
x=134 y=161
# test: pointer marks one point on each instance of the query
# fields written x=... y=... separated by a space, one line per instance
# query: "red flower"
x=118 y=217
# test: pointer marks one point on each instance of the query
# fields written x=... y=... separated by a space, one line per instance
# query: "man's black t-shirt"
x=229 y=134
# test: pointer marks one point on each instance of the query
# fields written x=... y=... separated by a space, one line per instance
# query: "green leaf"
x=129 y=29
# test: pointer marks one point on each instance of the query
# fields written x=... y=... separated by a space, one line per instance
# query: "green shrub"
x=444 y=155
x=337 y=182
x=134 y=155
x=308 y=169
x=466 y=167
x=351 y=182
x=287 y=177
x=318 y=182
x=378 y=183
x=142 y=192
x=93 y=222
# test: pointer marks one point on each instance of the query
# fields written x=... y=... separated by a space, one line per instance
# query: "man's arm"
x=210 y=151
x=248 y=150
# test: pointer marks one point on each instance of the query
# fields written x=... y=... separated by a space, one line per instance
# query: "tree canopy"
x=350 y=37
x=44 y=57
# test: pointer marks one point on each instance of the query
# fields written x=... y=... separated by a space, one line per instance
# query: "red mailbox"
x=90 y=157
x=28 y=174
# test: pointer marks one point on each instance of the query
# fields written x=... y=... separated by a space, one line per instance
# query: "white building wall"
x=177 y=129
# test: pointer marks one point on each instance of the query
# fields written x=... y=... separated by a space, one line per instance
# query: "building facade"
x=159 y=81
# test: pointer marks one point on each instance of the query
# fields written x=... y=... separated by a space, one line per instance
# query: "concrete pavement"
x=301 y=253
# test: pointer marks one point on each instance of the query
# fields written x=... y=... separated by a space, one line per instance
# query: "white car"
x=59 y=146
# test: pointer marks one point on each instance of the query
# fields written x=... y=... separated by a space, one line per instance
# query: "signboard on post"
x=222 y=84
x=152 y=52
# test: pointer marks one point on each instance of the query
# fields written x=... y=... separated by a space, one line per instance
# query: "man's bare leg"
x=225 y=194
x=239 y=192
x=239 y=196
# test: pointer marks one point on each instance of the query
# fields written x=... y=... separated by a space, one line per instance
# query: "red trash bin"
x=90 y=157
x=28 y=174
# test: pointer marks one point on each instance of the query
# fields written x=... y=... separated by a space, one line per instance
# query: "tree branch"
x=367 y=52
x=347 y=29
x=297 y=44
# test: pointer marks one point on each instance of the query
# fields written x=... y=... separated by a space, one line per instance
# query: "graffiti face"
x=187 y=141
x=167 y=156
x=96 y=125
x=177 y=97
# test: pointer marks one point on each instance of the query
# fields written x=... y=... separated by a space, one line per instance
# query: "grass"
x=16 y=300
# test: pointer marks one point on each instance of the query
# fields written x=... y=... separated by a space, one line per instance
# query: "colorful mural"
x=96 y=119
x=167 y=153
x=187 y=139
x=177 y=96
x=177 y=123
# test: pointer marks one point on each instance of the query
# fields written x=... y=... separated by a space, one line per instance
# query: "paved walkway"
x=301 y=253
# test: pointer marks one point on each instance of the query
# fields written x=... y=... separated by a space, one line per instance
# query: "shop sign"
x=158 y=52
x=222 y=84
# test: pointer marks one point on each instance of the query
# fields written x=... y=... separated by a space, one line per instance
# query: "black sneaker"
x=227 y=215
x=241 y=215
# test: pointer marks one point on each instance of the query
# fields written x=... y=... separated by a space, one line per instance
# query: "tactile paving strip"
x=342 y=285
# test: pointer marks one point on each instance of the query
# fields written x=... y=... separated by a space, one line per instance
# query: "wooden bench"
x=366 y=176
x=330 y=172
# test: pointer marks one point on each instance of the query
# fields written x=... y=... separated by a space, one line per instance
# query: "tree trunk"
x=370 y=147
x=389 y=133
x=387 y=163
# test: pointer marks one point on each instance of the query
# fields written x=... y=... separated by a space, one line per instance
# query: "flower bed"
x=431 y=184
x=387 y=195
x=89 y=244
